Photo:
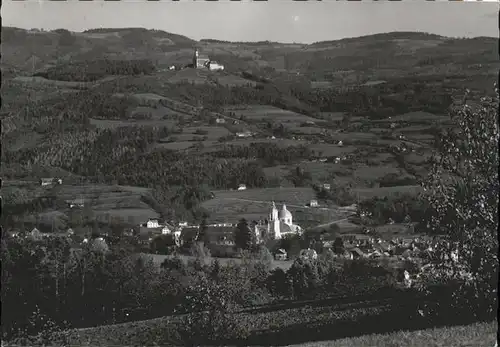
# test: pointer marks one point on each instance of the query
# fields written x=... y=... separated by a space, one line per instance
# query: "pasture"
x=210 y=132
x=414 y=117
x=373 y=173
x=108 y=202
x=331 y=150
x=368 y=193
x=268 y=113
x=113 y=124
x=255 y=204
x=478 y=335
x=332 y=116
x=306 y=130
x=53 y=83
x=283 y=143
x=176 y=146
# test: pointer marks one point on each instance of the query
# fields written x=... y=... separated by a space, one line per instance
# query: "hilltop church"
x=202 y=61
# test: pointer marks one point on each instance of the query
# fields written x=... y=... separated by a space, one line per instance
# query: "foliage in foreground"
x=463 y=188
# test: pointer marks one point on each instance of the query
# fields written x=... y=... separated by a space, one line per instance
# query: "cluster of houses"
x=363 y=246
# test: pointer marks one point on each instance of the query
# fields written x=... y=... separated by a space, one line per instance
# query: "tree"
x=202 y=232
x=243 y=236
x=338 y=246
x=463 y=195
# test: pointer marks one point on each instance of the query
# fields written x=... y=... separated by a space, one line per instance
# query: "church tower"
x=273 y=228
x=195 y=58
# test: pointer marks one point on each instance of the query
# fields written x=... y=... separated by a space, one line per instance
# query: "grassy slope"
x=136 y=333
x=479 y=335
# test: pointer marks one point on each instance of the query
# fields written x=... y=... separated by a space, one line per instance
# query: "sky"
x=275 y=20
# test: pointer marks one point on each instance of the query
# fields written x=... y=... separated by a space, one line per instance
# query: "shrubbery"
x=96 y=69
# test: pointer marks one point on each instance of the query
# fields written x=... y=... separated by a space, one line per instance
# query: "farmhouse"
x=152 y=223
x=75 y=203
x=50 y=181
x=244 y=134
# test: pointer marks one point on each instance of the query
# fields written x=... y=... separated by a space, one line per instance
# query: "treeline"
x=89 y=287
x=124 y=155
x=380 y=101
x=402 y=208
x=158 y=169
x=92 y=70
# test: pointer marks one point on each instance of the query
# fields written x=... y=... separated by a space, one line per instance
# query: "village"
x=157 y=236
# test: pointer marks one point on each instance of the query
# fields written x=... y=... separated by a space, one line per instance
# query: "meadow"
x=255 y=204
x=265 y=112
x=478 y=335
x=113 y=124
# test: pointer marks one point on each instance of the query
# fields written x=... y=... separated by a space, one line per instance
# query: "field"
x=265 y=112
x=264 y=326
x=478 y=335
x=106 y=202
x=330 y=150
x=113 y=124
x=367 y=193
x=415 y=117
x=255 y=204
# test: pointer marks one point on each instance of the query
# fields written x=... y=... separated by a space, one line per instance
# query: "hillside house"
x=76 y=203
x=152 y=223
x=280 y=254
x=327 y=186
x=214 y=66
x=50 y=181
x=244 y=134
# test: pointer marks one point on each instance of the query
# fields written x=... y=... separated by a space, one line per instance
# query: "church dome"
x=285 y=214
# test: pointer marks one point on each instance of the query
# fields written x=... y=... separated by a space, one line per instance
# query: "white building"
x=242 y=187
x=153 y=223
x=214 y=66
x=281 y=223
x=313 y=203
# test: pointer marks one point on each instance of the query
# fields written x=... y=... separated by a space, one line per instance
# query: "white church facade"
x=279 y=224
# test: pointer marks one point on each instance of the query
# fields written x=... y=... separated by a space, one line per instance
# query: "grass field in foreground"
x=477 y=335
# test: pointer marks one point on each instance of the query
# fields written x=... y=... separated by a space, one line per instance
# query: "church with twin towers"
x=279 y=224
